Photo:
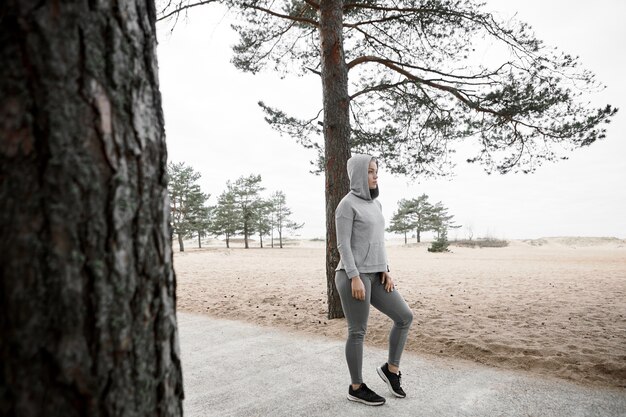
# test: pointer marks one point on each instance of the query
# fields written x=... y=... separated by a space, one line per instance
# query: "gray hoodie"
x=360 y=224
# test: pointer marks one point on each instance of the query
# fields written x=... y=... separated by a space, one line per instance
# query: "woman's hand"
x=387 y=281
x=358 y=288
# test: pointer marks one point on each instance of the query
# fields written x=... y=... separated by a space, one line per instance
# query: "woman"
x=362 y=278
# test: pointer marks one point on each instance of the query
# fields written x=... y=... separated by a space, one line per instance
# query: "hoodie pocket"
x=376 y=254
x=360 y=254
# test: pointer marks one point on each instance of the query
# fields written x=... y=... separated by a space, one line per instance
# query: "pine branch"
x=397 y=68
x=349 y=6
x=485 y=20
x=379 y=87
x=282 y=16
x=312 y=4
x=380 y=20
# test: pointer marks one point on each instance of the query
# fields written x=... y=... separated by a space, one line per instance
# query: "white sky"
x=214 y=124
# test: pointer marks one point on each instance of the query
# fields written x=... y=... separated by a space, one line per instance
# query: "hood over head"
x=358 y=165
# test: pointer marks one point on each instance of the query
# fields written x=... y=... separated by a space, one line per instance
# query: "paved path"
x=233 y=368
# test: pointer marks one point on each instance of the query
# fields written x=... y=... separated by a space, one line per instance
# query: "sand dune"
x=573 y=241
x=554 y=306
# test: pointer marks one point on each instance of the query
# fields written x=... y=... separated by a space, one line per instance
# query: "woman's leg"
x=393 y=305
x=356 y=312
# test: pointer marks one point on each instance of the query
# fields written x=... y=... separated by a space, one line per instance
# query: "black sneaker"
x=365 y=395
x=392 y=380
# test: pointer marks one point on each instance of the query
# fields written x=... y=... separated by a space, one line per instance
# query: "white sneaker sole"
x=382 y=375
x=359 y=400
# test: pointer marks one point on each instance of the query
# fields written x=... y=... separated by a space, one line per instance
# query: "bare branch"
x=314 y=71
x=181 y=8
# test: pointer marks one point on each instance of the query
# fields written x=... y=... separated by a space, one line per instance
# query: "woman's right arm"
x=343 y=225
x=344 y=218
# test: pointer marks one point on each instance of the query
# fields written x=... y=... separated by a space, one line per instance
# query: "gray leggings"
x=389 y=303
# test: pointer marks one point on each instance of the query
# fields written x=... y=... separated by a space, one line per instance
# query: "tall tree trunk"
x=261 y=240
x=199 y=240
x=245 y=236
x=336 y=133
x=87 y=288
x=227 y=242
x=280 y=238
x=181 y=244
x=405 y=242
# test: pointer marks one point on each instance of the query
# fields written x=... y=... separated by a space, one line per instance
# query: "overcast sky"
x=214 y=124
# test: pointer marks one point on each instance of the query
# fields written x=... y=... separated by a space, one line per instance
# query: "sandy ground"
x=553 y=306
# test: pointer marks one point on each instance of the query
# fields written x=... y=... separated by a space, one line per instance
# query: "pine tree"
x=418 y=213
x=187 y=201
x=246 y=197
x=88 y=321
x=282 y=215
x=441 y=243
x=400 y=222
x=439 y=219
x=265 y=222
x=202 y=223
x=226 y=219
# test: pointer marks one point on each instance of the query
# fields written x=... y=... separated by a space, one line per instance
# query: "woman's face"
x=372 y=175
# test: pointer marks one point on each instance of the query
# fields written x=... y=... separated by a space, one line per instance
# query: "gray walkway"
x=237 y=369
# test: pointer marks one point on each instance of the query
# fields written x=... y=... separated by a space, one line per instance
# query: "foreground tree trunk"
x=87 y=289
x=336 y=133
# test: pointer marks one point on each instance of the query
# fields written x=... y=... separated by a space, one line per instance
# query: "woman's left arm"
x=387 y=281
x=385 y=278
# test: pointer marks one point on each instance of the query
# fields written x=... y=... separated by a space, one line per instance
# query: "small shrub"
x=492 y=243
x=482 y=243
x=441 y=244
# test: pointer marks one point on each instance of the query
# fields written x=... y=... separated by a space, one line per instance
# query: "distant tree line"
x=419 y=215
x=241 y=210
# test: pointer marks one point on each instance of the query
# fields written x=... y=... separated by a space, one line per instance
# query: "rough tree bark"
x=87 y=289
x=336 y=133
